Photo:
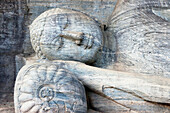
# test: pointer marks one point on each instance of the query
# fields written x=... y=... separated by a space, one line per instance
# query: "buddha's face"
x=67 y=35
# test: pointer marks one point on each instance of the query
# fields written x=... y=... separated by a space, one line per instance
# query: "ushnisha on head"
x=64 y=34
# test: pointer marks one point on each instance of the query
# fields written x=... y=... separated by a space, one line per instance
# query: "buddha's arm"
x=150 y=88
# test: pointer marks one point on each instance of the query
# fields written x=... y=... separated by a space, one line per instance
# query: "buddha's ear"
x=62 y=20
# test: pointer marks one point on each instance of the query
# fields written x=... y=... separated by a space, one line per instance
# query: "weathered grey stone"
x=98 y=9
x=120 y=100
x=104 y=105
x=21 y=60
x=141 y=30
x=48 y=88
x=130 y=102
x=17 y=15
x=157 y=86
x=65 y=34
x=7 y=73
x=11 y=39
x=149 y=88
x=11 y=26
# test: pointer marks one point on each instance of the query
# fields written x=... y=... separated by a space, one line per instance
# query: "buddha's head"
x=65 y=34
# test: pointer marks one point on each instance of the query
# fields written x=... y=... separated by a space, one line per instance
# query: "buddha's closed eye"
x=79 y=38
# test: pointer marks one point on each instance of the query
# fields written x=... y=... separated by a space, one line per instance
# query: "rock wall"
x=12 y=18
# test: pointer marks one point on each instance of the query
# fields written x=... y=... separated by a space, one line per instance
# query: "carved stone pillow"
x=48 y=88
